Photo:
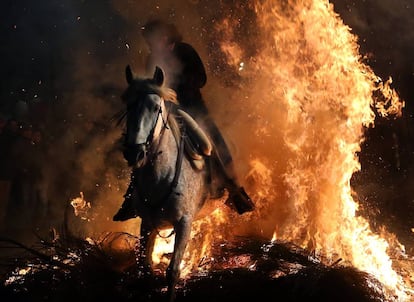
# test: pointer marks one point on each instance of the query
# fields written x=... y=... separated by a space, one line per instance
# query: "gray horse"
x=171 y=189
x=176 y=169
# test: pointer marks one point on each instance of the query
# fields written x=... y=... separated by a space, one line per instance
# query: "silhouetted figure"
x=185 y=73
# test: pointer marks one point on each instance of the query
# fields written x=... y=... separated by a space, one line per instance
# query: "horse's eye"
x=156 y=108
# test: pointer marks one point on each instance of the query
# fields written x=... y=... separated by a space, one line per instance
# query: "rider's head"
x=160 y=36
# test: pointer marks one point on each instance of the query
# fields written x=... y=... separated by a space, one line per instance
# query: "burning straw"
x=69 y=268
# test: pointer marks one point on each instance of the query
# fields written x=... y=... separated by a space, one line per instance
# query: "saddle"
x=200 y=151
x=197 y=144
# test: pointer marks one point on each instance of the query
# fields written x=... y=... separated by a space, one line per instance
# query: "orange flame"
x=312 y=95
x=204 y=232
x=305 y=99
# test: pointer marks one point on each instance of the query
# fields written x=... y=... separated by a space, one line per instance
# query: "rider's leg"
x=238 y=198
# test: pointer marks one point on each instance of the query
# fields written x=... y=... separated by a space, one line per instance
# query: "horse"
x=171 y=190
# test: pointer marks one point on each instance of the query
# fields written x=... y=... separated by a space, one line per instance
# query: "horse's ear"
x=158 y=77
x=128 y=74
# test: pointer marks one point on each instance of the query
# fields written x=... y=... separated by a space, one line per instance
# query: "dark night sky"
x=40 y=41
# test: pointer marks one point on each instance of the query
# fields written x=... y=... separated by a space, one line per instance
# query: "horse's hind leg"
x=182 y=230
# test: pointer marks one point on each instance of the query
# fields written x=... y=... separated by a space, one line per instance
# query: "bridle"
x=150 y=137
x=149 y=151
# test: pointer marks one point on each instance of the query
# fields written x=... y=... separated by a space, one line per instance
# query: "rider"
x=185 y=73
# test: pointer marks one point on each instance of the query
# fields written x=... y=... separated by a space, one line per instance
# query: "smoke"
x=66 y=60
x=69 y=57
x=265 y=90
x=80 y=49
x=90 y=161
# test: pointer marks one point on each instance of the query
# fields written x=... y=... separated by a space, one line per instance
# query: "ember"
x=81 y=207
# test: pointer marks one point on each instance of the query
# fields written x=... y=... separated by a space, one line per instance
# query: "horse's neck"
x=162 y=139
x=160 y=171
x=165 y=149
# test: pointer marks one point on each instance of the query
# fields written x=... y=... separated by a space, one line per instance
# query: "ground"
x=245 y=269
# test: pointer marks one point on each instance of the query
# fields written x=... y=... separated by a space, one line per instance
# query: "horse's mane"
x=148 y=85
x=165 y=92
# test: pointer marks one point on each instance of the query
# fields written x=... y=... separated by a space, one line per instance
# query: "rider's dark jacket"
x=186 y=78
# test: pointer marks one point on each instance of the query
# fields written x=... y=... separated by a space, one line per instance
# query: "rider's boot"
x=128 y=208
x=239 y=200
x=222 y=160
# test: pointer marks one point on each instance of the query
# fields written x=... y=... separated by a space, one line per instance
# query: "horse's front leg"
x=183 y=231
x=146 y=247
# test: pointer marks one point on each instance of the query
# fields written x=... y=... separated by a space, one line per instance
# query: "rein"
x=165 y=126
x=180 y=146
x=178 y=163
x=180 y=156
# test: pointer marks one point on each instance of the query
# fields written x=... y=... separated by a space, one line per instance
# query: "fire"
x=311 y=99
x=304 y=100
x=204 y=233
x=81 y=207
x=164 y=244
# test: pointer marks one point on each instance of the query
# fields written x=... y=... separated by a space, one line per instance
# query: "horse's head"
x=146 y=115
